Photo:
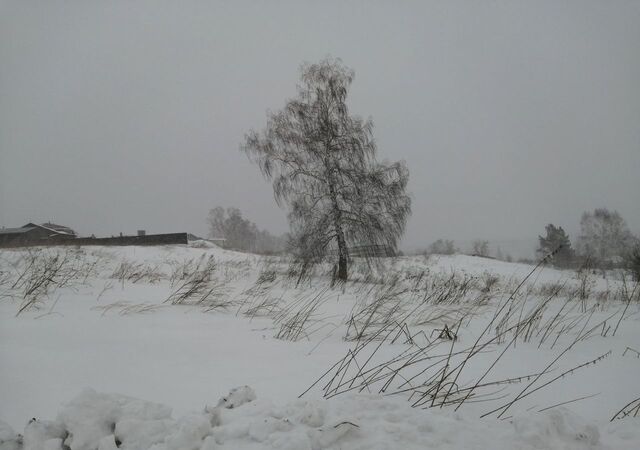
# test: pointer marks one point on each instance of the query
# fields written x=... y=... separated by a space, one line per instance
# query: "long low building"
x=32 y=233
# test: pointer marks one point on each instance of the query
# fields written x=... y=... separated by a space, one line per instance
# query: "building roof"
x=32 y=226
x=49 y=227
x=53 y=230
x=58 y=228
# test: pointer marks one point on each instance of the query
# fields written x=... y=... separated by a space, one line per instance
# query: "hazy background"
x=118 y=116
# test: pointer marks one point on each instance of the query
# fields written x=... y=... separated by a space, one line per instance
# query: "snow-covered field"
x=441 y=352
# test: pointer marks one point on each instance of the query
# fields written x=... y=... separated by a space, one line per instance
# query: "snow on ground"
x=106 y=422
x=80 y=356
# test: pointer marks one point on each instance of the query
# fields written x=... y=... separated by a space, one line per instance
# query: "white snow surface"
x=94 y=420
x=75 y=366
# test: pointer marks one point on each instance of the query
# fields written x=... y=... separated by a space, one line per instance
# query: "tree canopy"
x=322 y=162
x=604 y=236
x=556 y=243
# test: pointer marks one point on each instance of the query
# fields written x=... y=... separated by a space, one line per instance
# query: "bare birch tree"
x=322 y=162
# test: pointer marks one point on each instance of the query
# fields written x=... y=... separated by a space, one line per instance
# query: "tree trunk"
x=343 y=252
x=342 y=260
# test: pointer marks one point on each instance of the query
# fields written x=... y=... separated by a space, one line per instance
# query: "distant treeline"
x=604 y=242
x=239 y=233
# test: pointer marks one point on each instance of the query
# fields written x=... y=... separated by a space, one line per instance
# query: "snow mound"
x=557 y=426
x=9 y=440
x=201 y=243
x=237 y=397
x=97 y=421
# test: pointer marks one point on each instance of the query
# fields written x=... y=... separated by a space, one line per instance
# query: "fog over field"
x=118 y=116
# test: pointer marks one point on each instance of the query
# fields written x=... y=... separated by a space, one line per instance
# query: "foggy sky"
x=118 y=116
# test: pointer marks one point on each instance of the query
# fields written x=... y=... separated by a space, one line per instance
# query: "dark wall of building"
x=149 y=239
x=32 y=237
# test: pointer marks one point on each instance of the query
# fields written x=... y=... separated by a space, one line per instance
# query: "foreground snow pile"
x=96 y=421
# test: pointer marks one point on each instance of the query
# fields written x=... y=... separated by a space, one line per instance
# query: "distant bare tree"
x=604 y=236
x=480 y=248
x=238 y=232
x=442 y=247
x=242 y=234
x=322 y=162
x=216 y=221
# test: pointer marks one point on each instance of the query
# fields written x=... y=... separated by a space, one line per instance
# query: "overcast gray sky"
x=116 y=116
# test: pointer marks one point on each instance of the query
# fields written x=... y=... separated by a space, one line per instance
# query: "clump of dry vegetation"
x=36 y=274
x=301 y=318
x=137 y=272
x=440 y=369
x=126 y=308
x=195 y=283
